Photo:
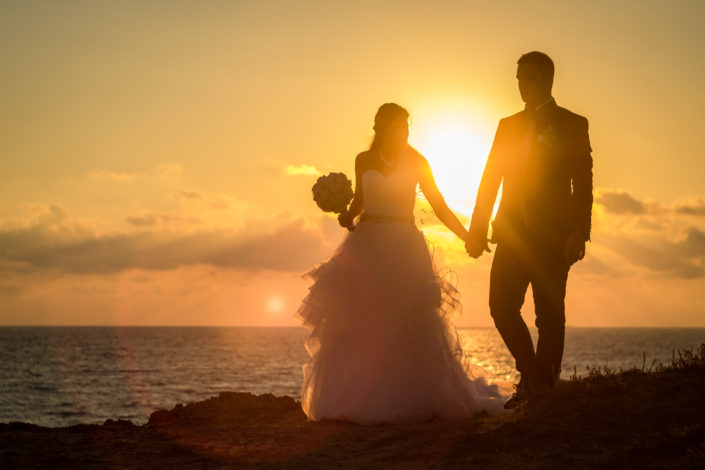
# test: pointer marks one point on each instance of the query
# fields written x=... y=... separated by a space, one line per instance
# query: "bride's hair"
x=386 y=114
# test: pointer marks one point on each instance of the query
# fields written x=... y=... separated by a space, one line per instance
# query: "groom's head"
x=535 y=75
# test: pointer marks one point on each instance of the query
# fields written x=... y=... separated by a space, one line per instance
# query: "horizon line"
x=303 y=326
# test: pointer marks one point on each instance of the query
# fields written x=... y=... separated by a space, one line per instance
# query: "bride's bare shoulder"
x=417 y=157
x=363 y=159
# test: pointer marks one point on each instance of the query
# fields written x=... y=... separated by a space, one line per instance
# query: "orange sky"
x=156 y=158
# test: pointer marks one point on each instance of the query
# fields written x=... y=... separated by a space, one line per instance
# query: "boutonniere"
x=548 y=137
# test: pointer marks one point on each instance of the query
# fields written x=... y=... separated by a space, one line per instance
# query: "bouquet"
x=333 y=192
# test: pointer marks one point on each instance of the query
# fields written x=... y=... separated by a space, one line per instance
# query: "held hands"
x=475 y=246
x=574 y=249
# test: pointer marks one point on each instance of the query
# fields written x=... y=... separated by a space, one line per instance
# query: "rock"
x=232 y=407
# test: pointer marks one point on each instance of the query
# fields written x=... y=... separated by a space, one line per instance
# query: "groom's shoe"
x=515 y=401
x=520 y=396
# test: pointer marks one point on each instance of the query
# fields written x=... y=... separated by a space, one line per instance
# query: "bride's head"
x=391 y=126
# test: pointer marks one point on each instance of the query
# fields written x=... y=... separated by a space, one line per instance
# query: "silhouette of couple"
x=382 y=345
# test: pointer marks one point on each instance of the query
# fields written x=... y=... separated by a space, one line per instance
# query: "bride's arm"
x=358 y=201
x=435 y=199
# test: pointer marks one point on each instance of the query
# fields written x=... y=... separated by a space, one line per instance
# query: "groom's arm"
x=582 y=181
x=489 y=186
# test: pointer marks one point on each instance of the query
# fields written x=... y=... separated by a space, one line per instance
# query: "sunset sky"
x=156 y=157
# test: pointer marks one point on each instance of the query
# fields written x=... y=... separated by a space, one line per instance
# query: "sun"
x=275 y=305
x=457 y=151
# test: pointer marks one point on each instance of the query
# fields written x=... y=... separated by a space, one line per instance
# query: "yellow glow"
x=275 y=304
x=456 y=151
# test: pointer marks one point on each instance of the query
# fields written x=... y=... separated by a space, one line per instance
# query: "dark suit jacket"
x=546 y=175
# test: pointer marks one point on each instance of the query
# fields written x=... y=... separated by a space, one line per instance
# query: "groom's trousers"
x=519 y=261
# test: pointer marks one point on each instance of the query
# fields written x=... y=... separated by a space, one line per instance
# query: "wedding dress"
x=382 y=345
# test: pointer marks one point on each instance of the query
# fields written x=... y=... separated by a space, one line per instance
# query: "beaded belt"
x=387 y=218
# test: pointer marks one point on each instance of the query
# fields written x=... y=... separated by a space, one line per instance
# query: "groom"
x=542 y=157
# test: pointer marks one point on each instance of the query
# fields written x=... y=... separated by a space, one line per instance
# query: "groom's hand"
x=475 y=246
x=574 y=249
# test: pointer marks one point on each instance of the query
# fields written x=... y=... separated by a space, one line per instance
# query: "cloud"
x=191 y=198
x=693 y=244
x=167 y=170
x=298 y=170
x=49 y=215
x=633 y=238
x=150 y=220
x=694 y=208
x=294 y=246
x=682 y=259
x=620 y=203
x=142 y=221
x=651 y=238
x=10 y=290
x=162 y=171
x=113 y=176
x=189 y=194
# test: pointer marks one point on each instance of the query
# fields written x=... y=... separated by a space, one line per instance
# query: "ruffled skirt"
x=382 y=345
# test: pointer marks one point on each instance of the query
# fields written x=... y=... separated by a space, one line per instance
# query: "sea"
x=60 y=376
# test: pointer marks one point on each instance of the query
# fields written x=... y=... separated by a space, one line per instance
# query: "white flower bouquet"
x=333 y=192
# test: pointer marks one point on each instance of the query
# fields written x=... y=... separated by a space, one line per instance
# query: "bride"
x=383 y=348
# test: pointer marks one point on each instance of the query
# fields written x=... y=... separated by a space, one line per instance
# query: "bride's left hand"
x=346 y=221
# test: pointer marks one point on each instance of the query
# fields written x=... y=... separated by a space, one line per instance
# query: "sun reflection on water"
x=483 y=348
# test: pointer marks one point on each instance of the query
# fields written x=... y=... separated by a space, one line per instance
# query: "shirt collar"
x=536 y=108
